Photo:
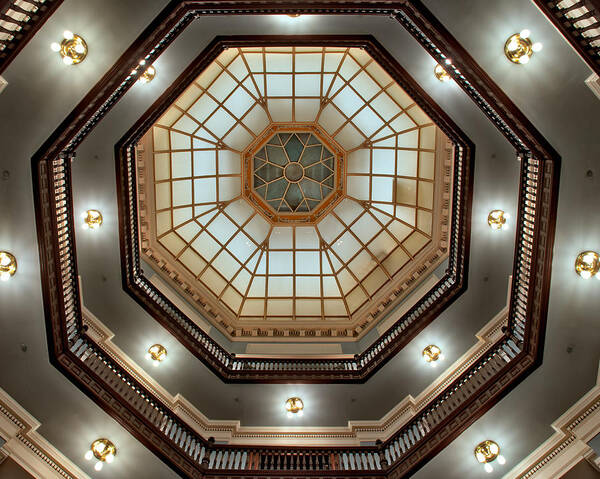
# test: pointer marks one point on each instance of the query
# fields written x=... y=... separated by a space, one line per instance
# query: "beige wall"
x=9 y=469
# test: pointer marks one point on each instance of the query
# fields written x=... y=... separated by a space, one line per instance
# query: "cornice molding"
x=568 y=445
x=593 y=82
x=30 y=449
x=354 y=434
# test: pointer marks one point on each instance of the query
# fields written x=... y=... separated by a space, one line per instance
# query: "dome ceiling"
x=293 y=184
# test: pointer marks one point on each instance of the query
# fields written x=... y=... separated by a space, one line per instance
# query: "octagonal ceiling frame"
x=232 y=368
x=130 y=403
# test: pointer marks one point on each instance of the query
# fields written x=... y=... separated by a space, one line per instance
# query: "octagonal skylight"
x=334 y=266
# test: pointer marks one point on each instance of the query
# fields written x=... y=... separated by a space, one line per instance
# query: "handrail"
x=579 y=22
x=19 y=22
x=451 y=411
x=248 y=369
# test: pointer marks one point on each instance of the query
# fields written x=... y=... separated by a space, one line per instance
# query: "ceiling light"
x=293 y=15
x=148 y=75
x=432 y=353
x=92 y=219
x=103 y=450
x=8 y=265
x=294 y=405
x=487 y=452
x=497 y=219
x=441 y=74
x=157 y=353
x=519 y=48
x=587 y=264
x=72 y=48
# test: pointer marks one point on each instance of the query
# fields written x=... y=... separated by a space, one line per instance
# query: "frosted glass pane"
x=202 y=108
x=205 y=163
x=241 y=247
x=384 y=161
x=348 y=210
x=418 y=115
x=399 y=230
x=205 y=190
x=278 y=62
x=257 y=288
x=180 y=141
x=239 y=211
x=226 y=264
x=222 y=228
x=332 y=61
x=232 y=299
x=330 y=228
x=162 y=193
x=367 y=121
x=281 y=286
x=170 y=117
x=242 y=280
x=349 y=68
x=307 y=110
x=362 y=264
x=402 y=123
x=396 y=260
x=162 y=166
x=238 y=139
x=206 y=246
x=359 y=161
x=222 y=87
x=307 y=85
x=181 y=164
x=181 y=215
x=208 y=75
x=346 y=246
x=308 y=307
x=349 y=137
x=374 y=281
x=366 y=227
x=163 y=222
x=188 y=231
x=257 y=120
x=427 y=139
x=406 y=214
x=348 y=101
x=281 y=238
x=407 y=163
x=424 y=221
x=253 y=307
x=308 y=286
x=239 y=102
x=186 y=124
x=426 y=165
x=189 y=96
x=379 y=74
x=161 y=139
x=280 y=262
x=330 y=287
x=213 y=281
x=258 y=229
x=229 y=162
x=306 y=238
x=255 y=61
x=172 y=242
x=308 y=62
x=307 y=262
x=385 y=106
x=408 y=140
x=382 y=189
x=358 y=187
x=365 y=86
x=406 y=191
x=415 y=242
x=381 y=245
x=182 y=192
x=229 y=188
x=331 y=119
x=192 y=261
x=279 y=85
x=281 y=110
x=280 y=307
x=346 y=280
x=400 y=96
x=334 y=307
x=220 y=123
x=355 y=299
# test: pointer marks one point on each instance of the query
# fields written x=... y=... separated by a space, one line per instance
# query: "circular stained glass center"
x=293 y=172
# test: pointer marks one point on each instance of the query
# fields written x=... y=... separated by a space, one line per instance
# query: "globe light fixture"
x=72 y=48
x=497 y=219
x=8 y=265
x=432 y=354
x=103 y=450
x=293 y=406
x=157 y=353
x=587 y=264
x=148 y=75
x=519 y=48
x=92 y=219
x=487 y=452
x=441 y=74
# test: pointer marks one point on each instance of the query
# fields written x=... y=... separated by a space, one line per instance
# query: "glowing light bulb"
x=433 y=365
x=513 y=45
x=488 y=468
x=147 y=356
x=536 y=47
x=67 y=60
x=79 y=48
x=289 y=414
x=585 y=274
x=155 y=363
x=524 y=59
x=142 y=62
x=55 y=47
x=525 y=33
x=501 y=460
x=88 y=455
x=110 y=458
x=4 y=276
x=68 y=35
x=98 y=466
x=301 y=412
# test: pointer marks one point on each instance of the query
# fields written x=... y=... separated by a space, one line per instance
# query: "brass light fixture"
x=148 y=75
x=587 y=264
x=293 y=15
x=441 y=74
x=519 y=48
x=497 y=219
x=432 y=354
x=8 y=265
x=103 y=450
x=294 y=405
x=157 y=353
x=72 y=48
x=487 y=452
x=92 y=219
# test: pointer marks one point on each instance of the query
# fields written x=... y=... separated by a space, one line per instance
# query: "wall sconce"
x=148 y=75
x=487 y=452
x=497 y=219
x=8 y=265
x=103 y=450
x=519 y=48
x=441 y=74
x=587 y=264
x=72 y=48
x=431 y=354
x=157 y=353
x=294 y=405
x=92 y=219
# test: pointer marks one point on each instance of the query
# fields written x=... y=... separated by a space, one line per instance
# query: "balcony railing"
x=449 y=413
x=579 y=23
x=249 y=369
x=19 y=22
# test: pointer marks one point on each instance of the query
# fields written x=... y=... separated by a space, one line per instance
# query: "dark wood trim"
x=507 y=363
x=28 y=30
x=359 y=369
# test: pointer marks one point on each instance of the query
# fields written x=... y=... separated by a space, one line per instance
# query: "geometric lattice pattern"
x=330 y=269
